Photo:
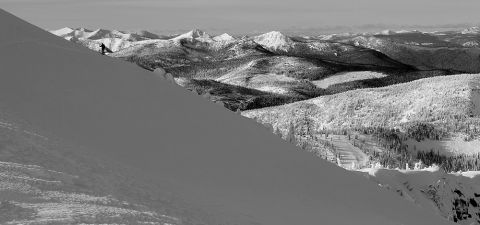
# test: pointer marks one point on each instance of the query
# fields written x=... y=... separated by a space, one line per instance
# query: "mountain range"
x=273 y=69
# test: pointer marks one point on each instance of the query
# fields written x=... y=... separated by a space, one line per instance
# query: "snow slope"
x=235 y=171
x=32 y=194
x=44 y=180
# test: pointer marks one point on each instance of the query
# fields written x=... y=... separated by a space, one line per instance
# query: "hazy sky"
x=241 y=15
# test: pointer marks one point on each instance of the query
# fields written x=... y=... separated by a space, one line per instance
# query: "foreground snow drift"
x=226 y=167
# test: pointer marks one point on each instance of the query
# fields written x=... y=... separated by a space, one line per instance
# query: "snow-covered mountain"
x=275 y=41
x=225 y=168
x=224 y=37
x=196 y=34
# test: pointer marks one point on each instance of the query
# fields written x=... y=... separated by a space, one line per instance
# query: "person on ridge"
x=103 y=48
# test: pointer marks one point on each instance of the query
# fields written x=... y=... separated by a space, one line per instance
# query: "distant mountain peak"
x=274 y=34
x=194 y=34
x=224 y=37
x=274 y=40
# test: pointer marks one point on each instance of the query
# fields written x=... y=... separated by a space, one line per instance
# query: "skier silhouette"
x=103 y=48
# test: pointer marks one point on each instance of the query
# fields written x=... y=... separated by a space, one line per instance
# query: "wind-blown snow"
x=230 y=167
